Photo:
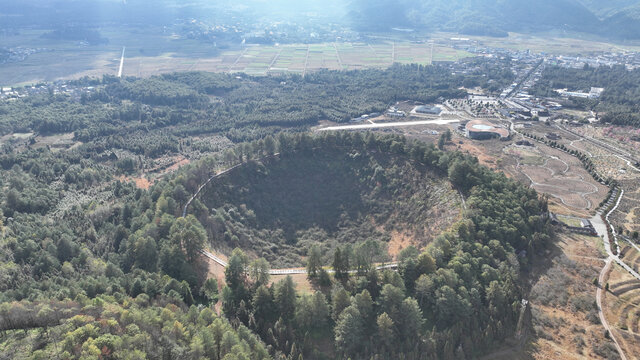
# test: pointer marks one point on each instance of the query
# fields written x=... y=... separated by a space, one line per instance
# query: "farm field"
x=552 y=43
x=152 y=52
x=609 y=165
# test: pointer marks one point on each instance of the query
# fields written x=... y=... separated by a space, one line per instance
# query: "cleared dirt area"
x=55 y=142
x=572 y=190
x=141 y=182
x=399 y=241
x=483 y=156
x=303 y=285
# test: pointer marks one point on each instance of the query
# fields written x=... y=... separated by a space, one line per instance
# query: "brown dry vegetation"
x=563 y=177
x=565 y=320
x=141 y=182
x=485 y=157
x=621 y=305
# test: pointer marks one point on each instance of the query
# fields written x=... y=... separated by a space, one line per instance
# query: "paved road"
x=601 y=229
x=121 y=63
x=293 y=271
x=391 y=124
x=616 y=151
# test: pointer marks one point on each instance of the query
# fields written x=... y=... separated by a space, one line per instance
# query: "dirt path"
x=579 y=149
x=275 y=58
x=306 y=61
x=603 y=274
x=335 y=47
x=579 y=178
x=291 y=271
x=237 y=60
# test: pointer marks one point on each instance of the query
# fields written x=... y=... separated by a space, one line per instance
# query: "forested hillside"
x=240 y=107
x=278 y=208
x=124 y=278
x=93 y=265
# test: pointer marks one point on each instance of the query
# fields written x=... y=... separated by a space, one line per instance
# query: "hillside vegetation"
x=279 y=207
x=125 y=279
x=469 y=273
x=162 y=109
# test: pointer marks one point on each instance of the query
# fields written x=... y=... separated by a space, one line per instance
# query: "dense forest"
x=240 y=107
x=123 y=278
x=619 y=102
x=92 y=265
x=328 y=196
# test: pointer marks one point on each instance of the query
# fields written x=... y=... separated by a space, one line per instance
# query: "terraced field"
x=622 y=303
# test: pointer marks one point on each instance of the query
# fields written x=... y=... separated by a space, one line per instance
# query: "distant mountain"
x=606 y=8
x=617 y=19
x=614 y=18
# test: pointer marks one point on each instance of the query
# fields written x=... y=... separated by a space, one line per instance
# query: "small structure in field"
x=483 y=130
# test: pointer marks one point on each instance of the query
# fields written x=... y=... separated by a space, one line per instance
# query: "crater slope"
x=280 y=206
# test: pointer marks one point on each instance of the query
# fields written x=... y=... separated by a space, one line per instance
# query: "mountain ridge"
x=497 y=18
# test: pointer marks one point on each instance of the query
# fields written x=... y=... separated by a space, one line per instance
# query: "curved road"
x=601 y=229
x=601 y=226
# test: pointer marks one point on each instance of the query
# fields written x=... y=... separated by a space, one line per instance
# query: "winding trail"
x=582 y=195
x=287 y=271
x=601 y=229
x=294 y=271
x=217 y=175
x=603 y=320
x=579 y=149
